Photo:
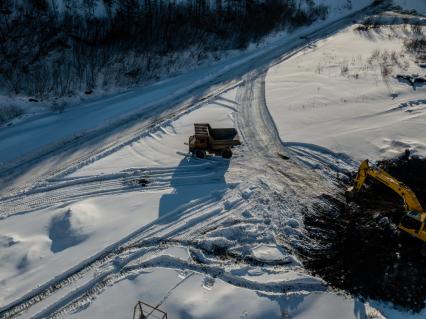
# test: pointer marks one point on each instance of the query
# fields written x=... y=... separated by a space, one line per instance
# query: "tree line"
x=47 y=50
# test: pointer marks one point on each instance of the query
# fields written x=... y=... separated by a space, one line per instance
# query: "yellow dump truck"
x=216 y=141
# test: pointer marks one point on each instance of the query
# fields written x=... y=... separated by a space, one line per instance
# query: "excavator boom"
x=414 y=222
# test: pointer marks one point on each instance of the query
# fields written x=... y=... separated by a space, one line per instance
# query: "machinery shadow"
x=196 y=183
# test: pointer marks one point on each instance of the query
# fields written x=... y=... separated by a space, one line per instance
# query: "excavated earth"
x=358 y=248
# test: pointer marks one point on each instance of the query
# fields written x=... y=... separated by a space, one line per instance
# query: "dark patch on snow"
x=413 y=80
x=62 y=234
x=23 y=263
x=282 y=156
x=359 y=248
x=143 y=182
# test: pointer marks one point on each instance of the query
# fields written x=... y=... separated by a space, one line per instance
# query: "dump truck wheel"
x=200 y=153
x=227 y=153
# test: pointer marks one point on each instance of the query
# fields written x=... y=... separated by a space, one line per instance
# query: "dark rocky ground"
x=358 y=247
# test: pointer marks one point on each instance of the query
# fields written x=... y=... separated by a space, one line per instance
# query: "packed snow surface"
x=60 y=237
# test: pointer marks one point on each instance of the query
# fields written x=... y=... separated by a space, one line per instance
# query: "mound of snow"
x=73 y=226
x=268 y=253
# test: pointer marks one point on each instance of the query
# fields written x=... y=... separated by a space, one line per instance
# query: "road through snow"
x=52 y=143
x=243 y=210
x=273 y=192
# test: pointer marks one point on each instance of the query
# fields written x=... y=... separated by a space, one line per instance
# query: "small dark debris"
x=32 y=100
x=413 y=80
x=420 y=80
x=284 y=157
x=88 y=92
x=143 y=181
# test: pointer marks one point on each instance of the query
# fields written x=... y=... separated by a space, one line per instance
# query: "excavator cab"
x=414 y=221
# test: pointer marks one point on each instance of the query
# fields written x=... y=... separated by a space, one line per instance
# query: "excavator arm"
x=410 y=199
x=414 y=222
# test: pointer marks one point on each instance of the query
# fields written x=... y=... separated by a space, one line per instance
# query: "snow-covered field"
x=41 y=134
x=142 y=220
x=334 y=95
x=166 y=239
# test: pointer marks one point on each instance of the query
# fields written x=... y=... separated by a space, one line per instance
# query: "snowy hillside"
x=85 y=49
x=344 y=94
x=101 y=205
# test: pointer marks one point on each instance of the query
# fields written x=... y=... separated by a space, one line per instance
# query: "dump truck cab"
x=216 y=141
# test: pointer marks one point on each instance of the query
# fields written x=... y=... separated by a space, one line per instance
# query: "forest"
x=58 y=48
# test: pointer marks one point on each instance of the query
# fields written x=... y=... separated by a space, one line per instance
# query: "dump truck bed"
x=218 y=137
x=224 y=133
x=218 y=141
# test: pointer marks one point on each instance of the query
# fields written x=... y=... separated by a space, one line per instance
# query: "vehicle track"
x=283 y=169
x=139 y=251
x=117 y=134
x=63 y=191
x=129 y=248
x=264 y=145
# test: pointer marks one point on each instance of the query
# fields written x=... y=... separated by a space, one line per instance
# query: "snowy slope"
x=63 y=235
x=36 y=133
x=169 y=233
x=202 y=238
x=333 y=95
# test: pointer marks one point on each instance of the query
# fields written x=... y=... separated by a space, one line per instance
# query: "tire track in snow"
x=264 y=144
x=97 y=285
x=129 y=248
x=136 y=125
x=68 y=190
x=195 y=211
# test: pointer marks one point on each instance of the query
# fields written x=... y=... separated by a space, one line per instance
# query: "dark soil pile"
x=359 y=248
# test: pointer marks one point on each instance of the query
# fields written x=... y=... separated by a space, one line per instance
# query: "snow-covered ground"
x=334 y=95
x=212 y=238
x=63 y=235
x=199 y=239
x=42 y=132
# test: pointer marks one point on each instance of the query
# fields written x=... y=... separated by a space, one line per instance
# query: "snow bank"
x=35 y=249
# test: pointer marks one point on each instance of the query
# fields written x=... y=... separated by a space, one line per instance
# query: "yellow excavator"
x=414 y=221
